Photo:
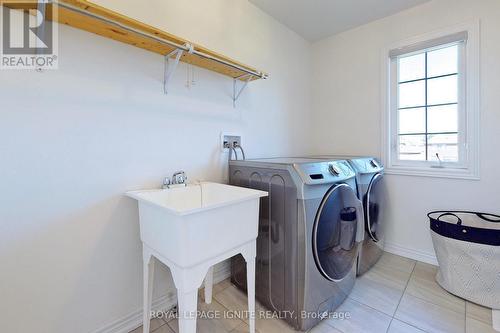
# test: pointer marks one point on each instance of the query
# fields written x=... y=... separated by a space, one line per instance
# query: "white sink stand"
x=192 y=228
x=188 y=280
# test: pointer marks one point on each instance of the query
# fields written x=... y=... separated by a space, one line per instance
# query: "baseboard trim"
x=166 y=302
x=133 y=320
x=407 y=252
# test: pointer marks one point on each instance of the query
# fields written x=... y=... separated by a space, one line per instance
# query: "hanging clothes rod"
x=188 y=48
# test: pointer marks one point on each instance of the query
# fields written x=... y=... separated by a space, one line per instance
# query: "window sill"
x=433 y=172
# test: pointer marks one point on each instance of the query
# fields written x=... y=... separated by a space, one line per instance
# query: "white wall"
x=346 y=99
x=72 y=141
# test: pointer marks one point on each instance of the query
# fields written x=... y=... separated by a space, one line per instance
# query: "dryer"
x=369 y=178
x=310 y=229
x=370 y=188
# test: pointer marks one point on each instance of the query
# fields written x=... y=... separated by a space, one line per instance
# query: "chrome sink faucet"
x=179 y=178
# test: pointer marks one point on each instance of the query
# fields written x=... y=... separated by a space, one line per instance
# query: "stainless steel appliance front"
x=304 y=267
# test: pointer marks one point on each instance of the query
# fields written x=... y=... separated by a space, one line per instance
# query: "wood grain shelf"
x=90 y=17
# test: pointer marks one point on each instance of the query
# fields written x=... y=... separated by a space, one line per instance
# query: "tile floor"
x=397 y=295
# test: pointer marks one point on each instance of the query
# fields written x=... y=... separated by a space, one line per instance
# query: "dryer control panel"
x=367 y=165
x=324 y=172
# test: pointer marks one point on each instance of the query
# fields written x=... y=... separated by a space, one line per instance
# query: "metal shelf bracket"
x=169 y=70
x=238 y=90
x=176 y=55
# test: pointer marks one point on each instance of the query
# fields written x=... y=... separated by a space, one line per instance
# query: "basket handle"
x=495 y=219
x=459 y=220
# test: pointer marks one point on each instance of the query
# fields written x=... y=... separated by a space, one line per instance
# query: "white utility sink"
x=190 y=229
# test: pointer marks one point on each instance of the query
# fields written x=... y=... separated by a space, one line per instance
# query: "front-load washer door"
x=373 y=208
x=334 y=239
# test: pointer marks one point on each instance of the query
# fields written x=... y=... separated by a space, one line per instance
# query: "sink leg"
x=148 y=278
x=188 y=302
x=250 y=259
x=187 y=281
x=209 y=282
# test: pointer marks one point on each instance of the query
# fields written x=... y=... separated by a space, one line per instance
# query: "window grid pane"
x=429 y=78
x=425 y=136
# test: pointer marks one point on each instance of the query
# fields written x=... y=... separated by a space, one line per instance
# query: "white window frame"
x=469 y=103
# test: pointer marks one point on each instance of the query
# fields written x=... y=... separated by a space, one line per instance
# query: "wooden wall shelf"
x=88 y=16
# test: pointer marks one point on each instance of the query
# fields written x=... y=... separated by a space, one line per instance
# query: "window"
x=431 y=107
x=428 y=109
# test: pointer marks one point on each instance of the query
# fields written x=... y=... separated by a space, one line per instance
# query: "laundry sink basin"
x=188 y=225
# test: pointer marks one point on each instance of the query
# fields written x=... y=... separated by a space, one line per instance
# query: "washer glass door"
x=334 y=239
x=372 y=207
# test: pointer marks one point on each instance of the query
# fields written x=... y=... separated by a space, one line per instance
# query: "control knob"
x=333 y=170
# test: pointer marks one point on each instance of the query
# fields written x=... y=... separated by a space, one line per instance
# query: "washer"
x=306 y=253
x=370 y=187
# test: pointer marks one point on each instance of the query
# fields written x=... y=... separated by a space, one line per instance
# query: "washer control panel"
x=324 y=172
